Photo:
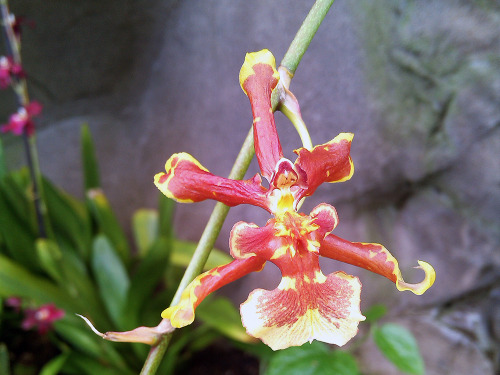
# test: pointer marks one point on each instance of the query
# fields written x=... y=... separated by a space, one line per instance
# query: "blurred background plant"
x=86 y=266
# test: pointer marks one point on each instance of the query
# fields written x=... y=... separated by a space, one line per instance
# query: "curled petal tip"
x=91 y=326
x=178 y=317
x=182 y=314
x=421 y=287
x=143 y=335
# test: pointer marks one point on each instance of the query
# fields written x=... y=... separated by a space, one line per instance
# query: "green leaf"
x=145 y=226
x=89 y=160
x=111 y=277
x=172 y=356
x=108 y=223
x=71 y=274
x=312 y=359
x=17 y=219
x=84 y=365
x=50 y=259
x=76 y=332
x=183 y=251
x=3 y=164
x=54 y=366
x=4 y=359
x=375 y=312
x=69 y=218
x=399 y=346
x=166 y=208
x=16 y=280
x=220 y=314
x=147 y=276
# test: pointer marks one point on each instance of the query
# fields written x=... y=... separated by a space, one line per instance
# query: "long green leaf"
x=17 y=219
x=54 y=366
x=84 y=365
x=89 y=160
x=183 y=251
x=312 y=359
x=111 y=277
x=220 y=314
x=3 y=164
x=74 y=331
x=16 y=280
x=145 y=226
x=68 y=270
x=147 y=276
x=399 y=346
x=108 y=223
x=166 y=210
x=50 y=259
x=69 y=218
x=4 y=360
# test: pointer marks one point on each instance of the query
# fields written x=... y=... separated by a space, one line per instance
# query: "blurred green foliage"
x=87 y=266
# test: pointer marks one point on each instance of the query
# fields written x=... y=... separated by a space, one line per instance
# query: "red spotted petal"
x=182 y=314
x=329 y=162
x=299 y=311
x=258 y=78
x=325 y=216
x=248 y=240
x=375 y=258
x=186 y=180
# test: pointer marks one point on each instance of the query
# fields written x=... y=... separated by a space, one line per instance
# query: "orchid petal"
x=182 y=314
x=258 y=78
x=329 y=162
x=248 y=240
x=325 y=216
x=375 y=258
x=300 y=310
x=186 y=181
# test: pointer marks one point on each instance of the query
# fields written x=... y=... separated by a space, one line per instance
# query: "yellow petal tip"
x=421 y=287
x=253 y=58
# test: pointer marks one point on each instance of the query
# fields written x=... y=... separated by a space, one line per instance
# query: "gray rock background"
x=418 y=82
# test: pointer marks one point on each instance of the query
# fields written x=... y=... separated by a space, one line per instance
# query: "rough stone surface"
x=417 y=82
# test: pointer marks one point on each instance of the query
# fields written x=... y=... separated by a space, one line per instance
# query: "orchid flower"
x=22 y=120
x=306 y=305
x=42 y=317
x=9 y=68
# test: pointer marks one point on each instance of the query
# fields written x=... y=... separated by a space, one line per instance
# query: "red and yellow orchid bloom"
x=306 y=305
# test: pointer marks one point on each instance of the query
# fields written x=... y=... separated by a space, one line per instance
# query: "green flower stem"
x=290 y=61
x=20 y=88
x=203 y=249
x=305 y=34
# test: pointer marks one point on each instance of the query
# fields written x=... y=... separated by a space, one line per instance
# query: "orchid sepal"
x=143 y=335
x=183 y=313
x=376 y=258
x=258 y=79
x=185 y=180
x=328 y=162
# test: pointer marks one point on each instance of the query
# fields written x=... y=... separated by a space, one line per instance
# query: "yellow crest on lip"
x=253 y=58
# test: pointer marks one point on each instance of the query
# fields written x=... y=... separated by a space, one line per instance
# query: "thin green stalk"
x=305 y=34
x=290 y=61
x=20 y=88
